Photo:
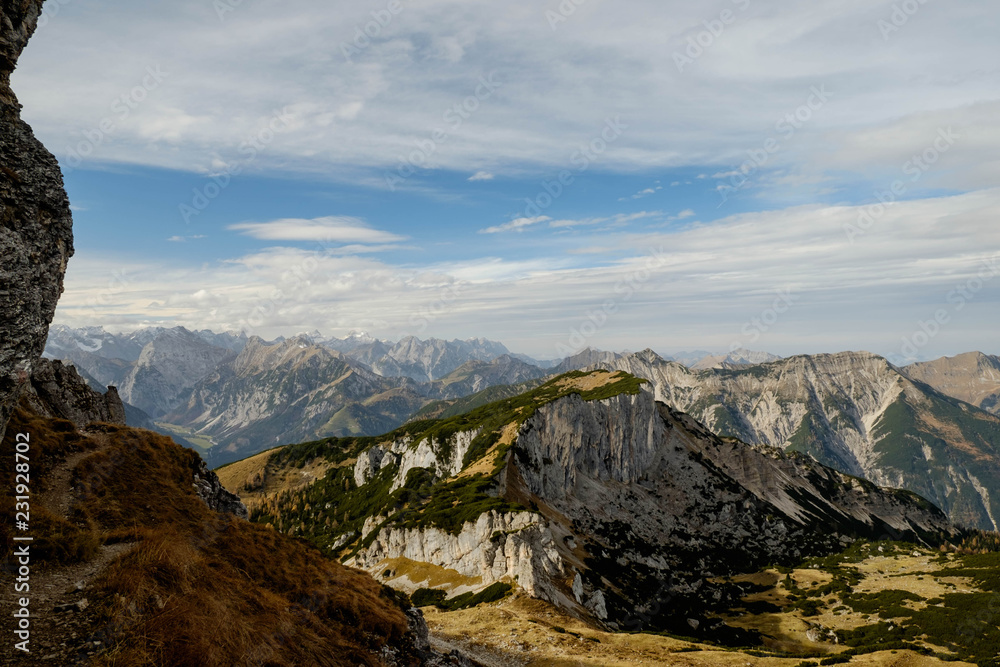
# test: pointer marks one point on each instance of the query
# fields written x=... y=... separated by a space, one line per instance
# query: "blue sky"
x=652 y=175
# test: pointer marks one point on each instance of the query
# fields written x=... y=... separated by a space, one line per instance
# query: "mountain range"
x=926 y=427
x=852 y=411
x=587 y=492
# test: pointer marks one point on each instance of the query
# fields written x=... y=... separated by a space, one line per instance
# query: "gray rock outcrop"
x=626 y=494
x=57 y=390
x=36 y=227
x=210 y=489
x=852 y=411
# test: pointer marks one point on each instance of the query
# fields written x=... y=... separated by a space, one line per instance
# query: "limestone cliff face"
x=852 y=411
x=495 y=547
x=621 y=497
x=637 y=493
x=404 y=455
x=36 y=227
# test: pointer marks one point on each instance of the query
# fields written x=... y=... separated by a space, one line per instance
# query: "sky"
x=782 y=176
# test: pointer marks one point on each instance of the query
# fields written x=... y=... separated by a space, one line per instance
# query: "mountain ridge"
x=534 y=489
x=854 y=411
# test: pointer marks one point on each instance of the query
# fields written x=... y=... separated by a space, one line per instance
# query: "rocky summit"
x=852 y=411
x=169 y=365
x=586 y=492
x=36 y=226
x=973 y=377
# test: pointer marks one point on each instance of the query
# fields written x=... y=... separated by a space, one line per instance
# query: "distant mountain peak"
x=853 y=411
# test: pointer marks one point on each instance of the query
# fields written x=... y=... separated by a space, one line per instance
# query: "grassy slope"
x=196 y=587
x=884 y=597
x=334 y=507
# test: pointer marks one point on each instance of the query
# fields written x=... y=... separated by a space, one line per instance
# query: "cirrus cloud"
x=331 y=229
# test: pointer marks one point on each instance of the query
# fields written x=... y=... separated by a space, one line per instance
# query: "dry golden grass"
x=200 y=588
x=487 y=463
x=410 y=575
x=255 y=483
x=525 y=631
x=235 y=476
x=591 y=380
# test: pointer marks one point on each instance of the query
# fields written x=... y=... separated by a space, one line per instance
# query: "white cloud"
x=644 y=193
x=518 y=225
x=351 y=120
x=614 y=220
x=322 y=230
x=481 y=176
x=710 y=281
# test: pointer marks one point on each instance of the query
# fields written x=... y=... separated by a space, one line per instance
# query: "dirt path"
x=57 y=496
x=63 y=623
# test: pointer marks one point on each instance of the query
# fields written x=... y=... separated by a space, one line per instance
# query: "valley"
x=255 y=410
x=539 y=496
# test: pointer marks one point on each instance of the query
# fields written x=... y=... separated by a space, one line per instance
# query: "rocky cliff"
x=585 y=492
x=57 y=390
x=170 y=364
x=36 y=227
x=852 y=411
x=290 y=391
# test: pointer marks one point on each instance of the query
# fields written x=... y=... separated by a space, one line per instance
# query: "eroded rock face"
x=36 y=227
x=630 y=497
x=210 y=489
x=496 y=547
x=857 y=413
x=57 y=390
